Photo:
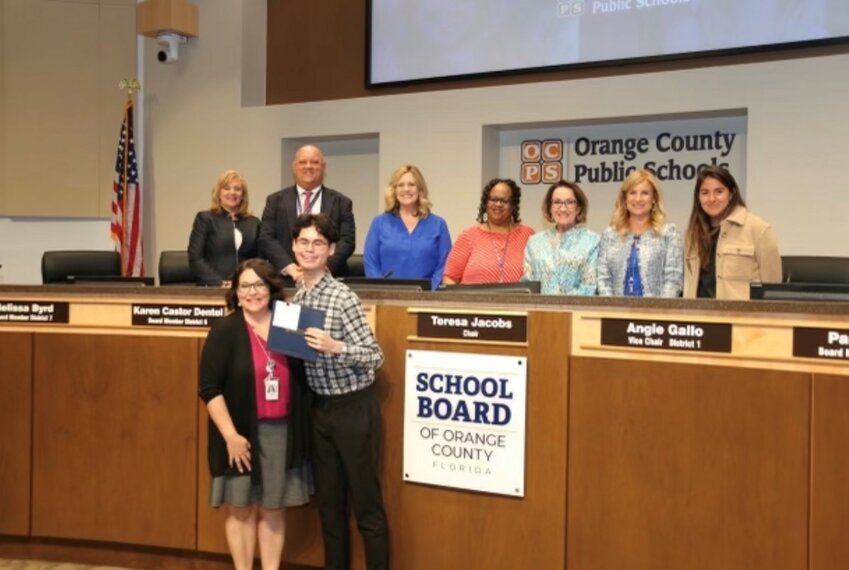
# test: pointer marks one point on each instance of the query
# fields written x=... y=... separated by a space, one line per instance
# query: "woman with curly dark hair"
x=492 y=251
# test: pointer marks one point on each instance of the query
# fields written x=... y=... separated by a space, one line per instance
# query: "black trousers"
x=346 y=444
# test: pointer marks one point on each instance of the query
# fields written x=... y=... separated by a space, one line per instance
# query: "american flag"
x=127 y=201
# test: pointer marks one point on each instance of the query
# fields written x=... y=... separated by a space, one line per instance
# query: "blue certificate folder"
x=292 y=342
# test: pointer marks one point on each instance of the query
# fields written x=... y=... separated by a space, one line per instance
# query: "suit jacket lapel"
x=326 y=201
x=290 y=203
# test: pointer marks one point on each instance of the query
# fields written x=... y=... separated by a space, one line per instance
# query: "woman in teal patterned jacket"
x=563 y=259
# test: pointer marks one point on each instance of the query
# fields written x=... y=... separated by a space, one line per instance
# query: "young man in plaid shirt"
x=346 y=413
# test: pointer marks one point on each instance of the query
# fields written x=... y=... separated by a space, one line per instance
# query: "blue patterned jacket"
x=661 y=262
x=564 y=264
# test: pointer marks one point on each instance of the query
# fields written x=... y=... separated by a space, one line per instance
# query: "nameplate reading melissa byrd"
x=171 y=315
x=829 y=344
x=37 y=312
x=666 y=335
x=473 y=326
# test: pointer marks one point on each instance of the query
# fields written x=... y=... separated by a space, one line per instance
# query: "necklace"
x=270 y=364
x=501 y=252
x=271 y=382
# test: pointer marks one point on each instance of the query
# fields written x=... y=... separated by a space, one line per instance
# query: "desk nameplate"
x=668 y=335
x=472 y=326
x=175 y=315
x=34 y=312
x=824 y=343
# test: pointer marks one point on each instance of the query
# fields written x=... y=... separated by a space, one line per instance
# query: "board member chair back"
x=814 y=269
x=174 y=268
x=355 y=266
x=60 y=266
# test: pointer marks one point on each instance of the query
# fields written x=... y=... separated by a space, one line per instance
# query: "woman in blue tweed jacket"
x=640 y=254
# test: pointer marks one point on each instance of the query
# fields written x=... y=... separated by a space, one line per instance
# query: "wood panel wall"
x=16 y=427
x=830 y=473
x=685 y=466
x=115 y=444
x=433 y=527
x=629 y=464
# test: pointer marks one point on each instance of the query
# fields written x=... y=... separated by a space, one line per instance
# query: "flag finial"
x=132 y=86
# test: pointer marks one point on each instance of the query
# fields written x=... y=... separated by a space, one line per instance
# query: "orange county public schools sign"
x=464 y=421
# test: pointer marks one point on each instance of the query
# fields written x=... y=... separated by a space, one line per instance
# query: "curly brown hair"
x=515 y=197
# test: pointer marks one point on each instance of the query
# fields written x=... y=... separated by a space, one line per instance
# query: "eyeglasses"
x=259 y=287
x=498 y=201
x=316 y=244
x=569 y=203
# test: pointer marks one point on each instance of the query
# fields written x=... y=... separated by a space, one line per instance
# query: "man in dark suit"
x=308 y=195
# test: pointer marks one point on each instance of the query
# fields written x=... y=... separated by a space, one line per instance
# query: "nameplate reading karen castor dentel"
x=171 y=315
x=667 y=335
x=472 y=326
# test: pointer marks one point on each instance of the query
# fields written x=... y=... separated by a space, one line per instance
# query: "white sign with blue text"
x=464 y=421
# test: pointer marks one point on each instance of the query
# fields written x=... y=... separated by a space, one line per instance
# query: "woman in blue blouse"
x=640 y=254
x=563 y=259
x=407 y=241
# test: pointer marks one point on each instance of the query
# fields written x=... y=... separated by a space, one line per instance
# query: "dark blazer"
x=278 y=220
x=212 y=246
x=226 y=368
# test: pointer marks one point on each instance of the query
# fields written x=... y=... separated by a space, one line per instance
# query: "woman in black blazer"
x=224 y=235
x=259 y=406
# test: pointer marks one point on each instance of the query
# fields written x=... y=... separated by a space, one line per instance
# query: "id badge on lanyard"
x=271 y=382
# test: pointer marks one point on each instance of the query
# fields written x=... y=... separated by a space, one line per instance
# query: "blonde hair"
x=224 y=179
x=391 y=200
x=619 y=221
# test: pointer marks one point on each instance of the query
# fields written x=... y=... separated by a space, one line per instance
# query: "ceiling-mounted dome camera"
x=170 y=46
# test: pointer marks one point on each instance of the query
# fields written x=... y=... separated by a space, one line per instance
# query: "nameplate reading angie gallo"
x=472 y=326
x=47 y=312
x=669 y=335
x=830 y=344
x=168 y=315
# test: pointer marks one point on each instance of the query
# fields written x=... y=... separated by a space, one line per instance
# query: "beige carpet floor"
x=6 y=564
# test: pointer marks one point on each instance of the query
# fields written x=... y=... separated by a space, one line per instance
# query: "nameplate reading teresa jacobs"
x=830 y=344
x=46 y=312
x=167 y=315
x=667 y=335
x=471 y=326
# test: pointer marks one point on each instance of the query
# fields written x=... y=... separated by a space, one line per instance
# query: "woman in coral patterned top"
x=491 y=251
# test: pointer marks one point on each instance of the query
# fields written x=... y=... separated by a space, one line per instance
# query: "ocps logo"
x=542 y=161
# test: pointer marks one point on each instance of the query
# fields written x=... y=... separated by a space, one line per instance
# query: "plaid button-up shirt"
x=345 y=321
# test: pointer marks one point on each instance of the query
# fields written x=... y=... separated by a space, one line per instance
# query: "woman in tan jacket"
x=726 y=247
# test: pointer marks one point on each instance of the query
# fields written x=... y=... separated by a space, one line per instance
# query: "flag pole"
x=131 y=86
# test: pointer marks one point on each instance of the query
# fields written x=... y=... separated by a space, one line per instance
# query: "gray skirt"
x=280 y=487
